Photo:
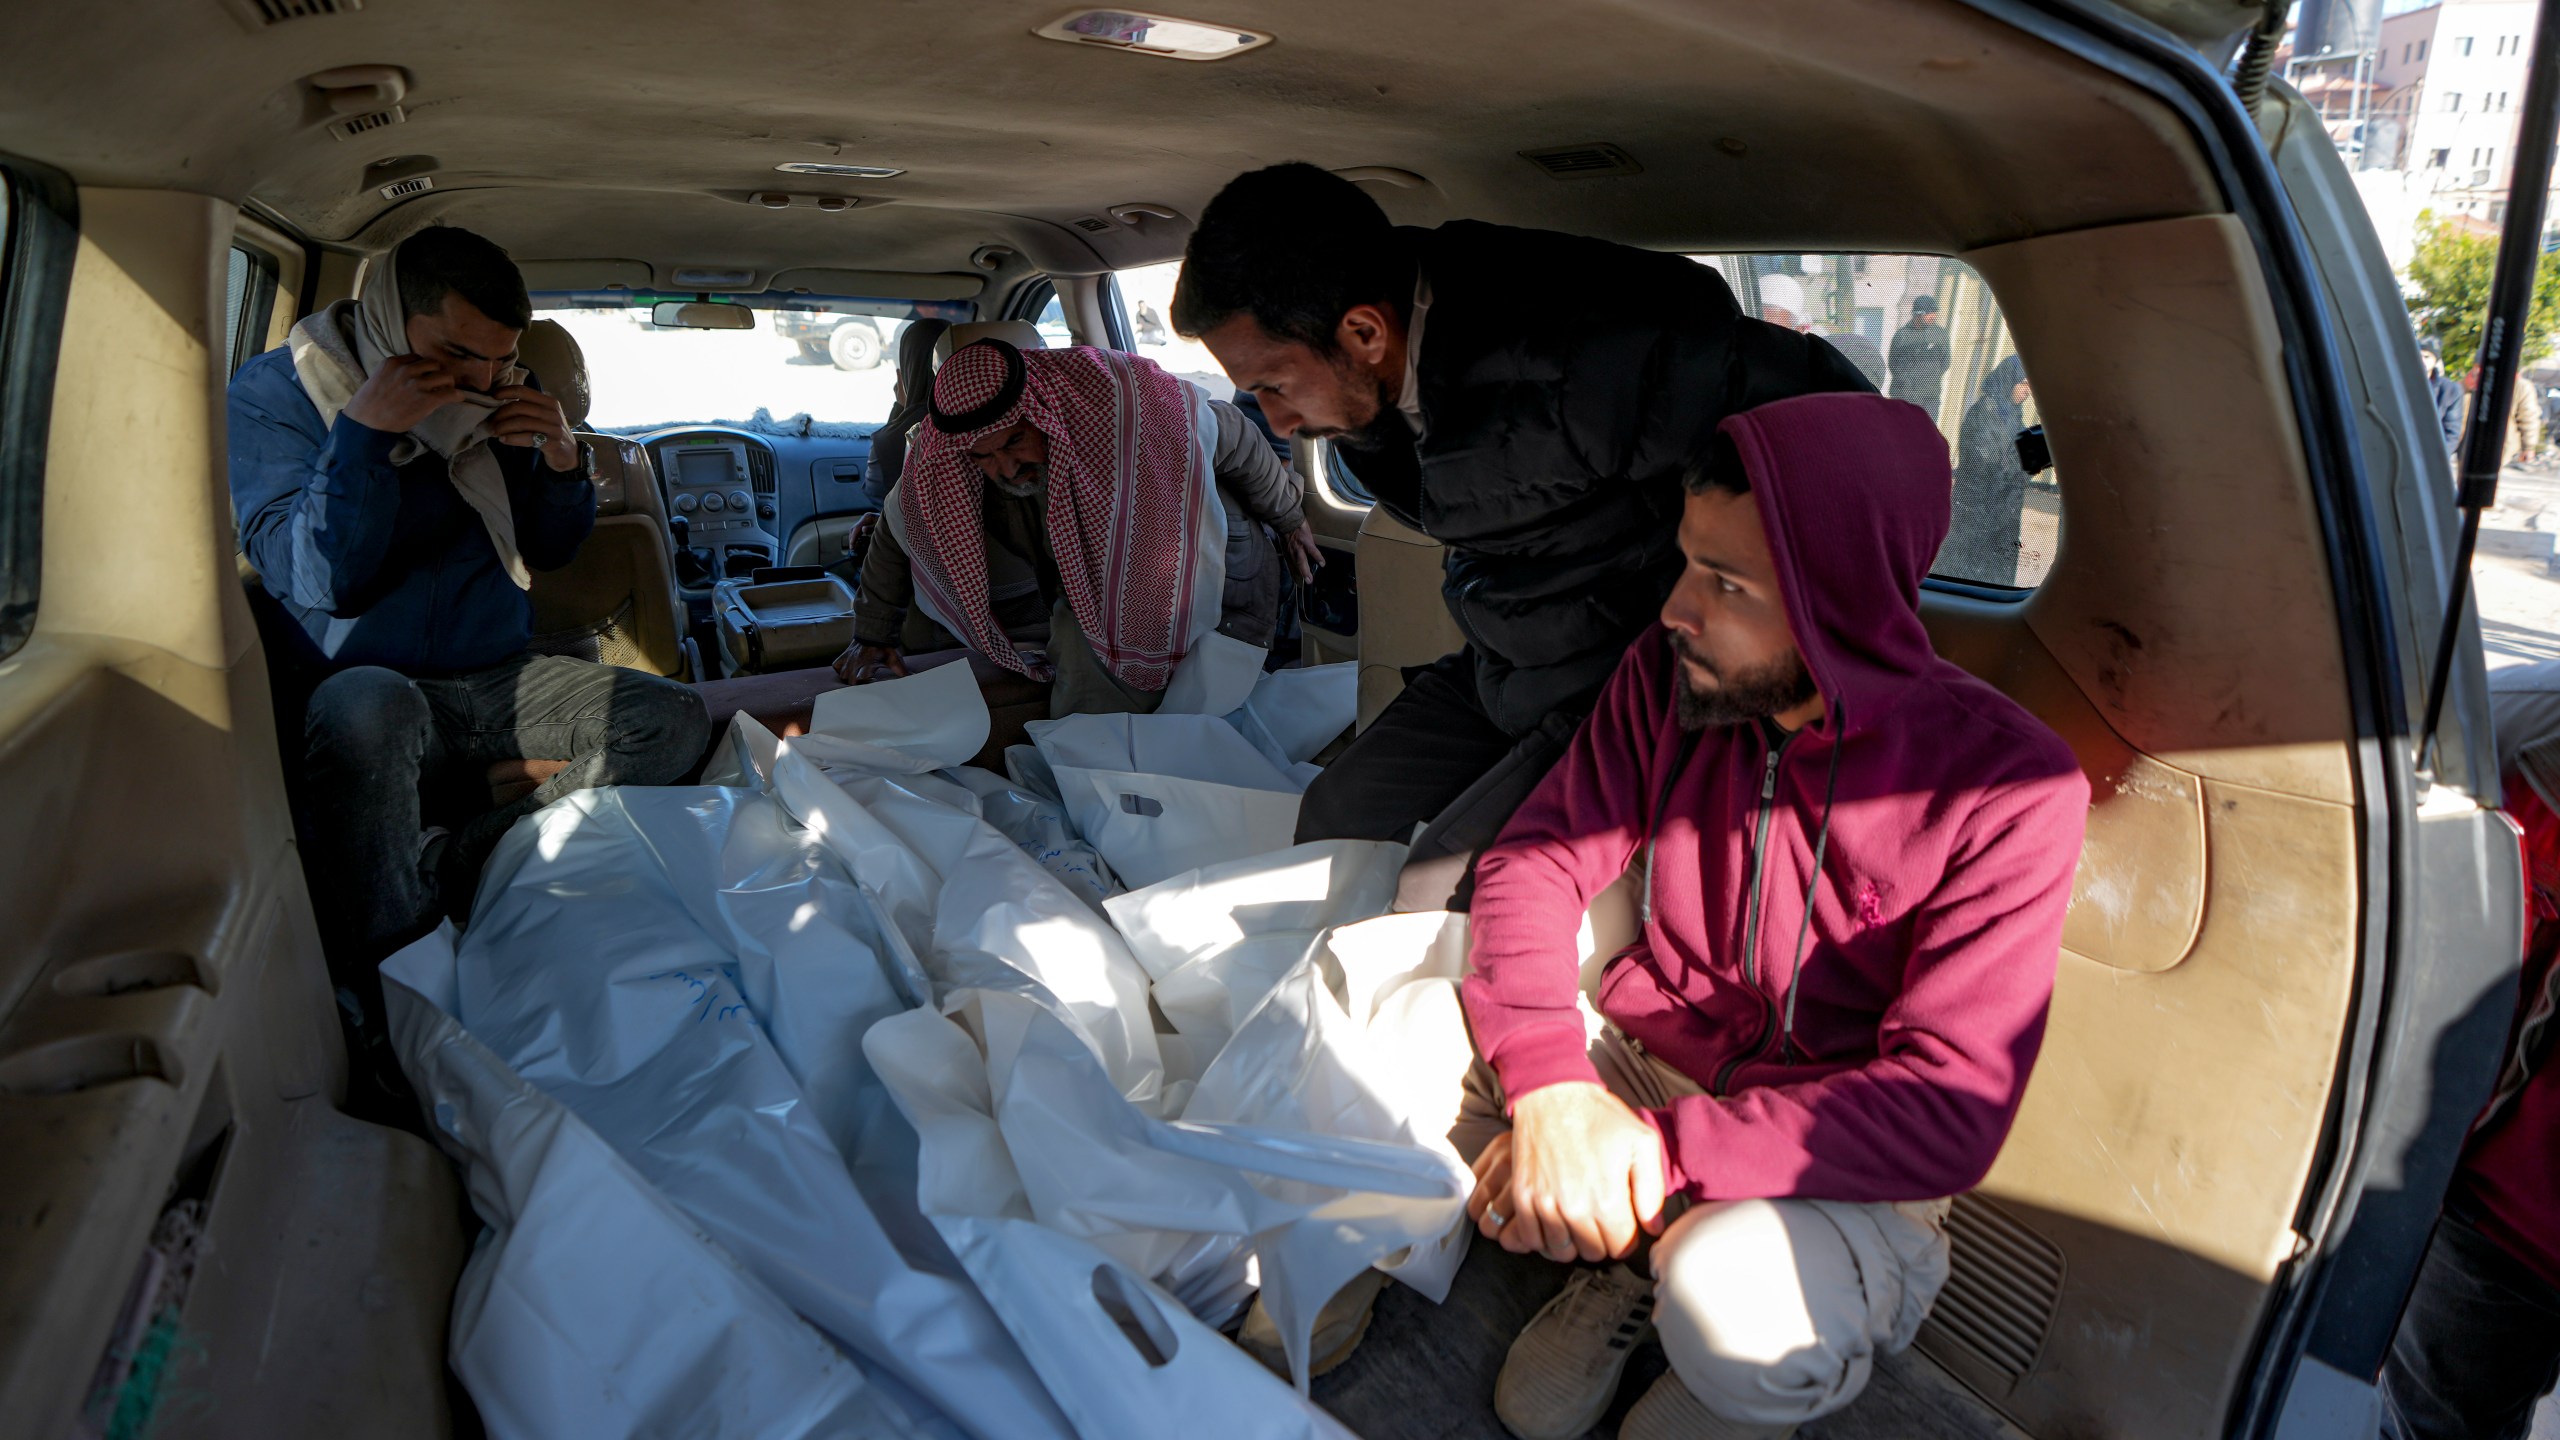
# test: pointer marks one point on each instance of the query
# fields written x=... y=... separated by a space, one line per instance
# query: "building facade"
x=2447 y=81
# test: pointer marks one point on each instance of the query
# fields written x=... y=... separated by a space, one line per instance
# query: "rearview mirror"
x=701 y=315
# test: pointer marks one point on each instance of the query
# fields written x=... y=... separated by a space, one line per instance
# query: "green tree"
x=2450 y=277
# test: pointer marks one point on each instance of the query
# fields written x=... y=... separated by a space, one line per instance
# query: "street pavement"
x=2519 y=597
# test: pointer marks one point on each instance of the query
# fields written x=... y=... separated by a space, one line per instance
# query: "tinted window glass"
x=36 y=240
x=248 y=304
x=1925 y=329
x=1146 y=294
x=235 y=295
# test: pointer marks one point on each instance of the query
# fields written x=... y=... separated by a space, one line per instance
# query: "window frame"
x=256 y=311
x=1122 y=330
x=1032 y=299
x=39 y=235
x=1340 y=485
x=1743 y=275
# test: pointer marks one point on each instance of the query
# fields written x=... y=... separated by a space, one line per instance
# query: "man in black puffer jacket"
x=1531 y=400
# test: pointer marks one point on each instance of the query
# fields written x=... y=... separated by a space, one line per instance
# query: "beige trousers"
x=1771 y=1311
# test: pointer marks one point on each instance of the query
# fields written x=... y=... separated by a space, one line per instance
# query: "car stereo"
x=709 y=485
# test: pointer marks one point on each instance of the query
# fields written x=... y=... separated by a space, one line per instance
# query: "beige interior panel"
x=165 y=1018
x=2137 y=900
x=1403 y=620
x=2167 y=1134
x=2190 y=600
x=341 y=272
x=2142 y=1205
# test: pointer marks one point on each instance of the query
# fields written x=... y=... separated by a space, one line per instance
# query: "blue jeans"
x=2478 y=1346
x=385 y=754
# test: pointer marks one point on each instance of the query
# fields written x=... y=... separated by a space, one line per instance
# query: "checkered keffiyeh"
x=1124 y=497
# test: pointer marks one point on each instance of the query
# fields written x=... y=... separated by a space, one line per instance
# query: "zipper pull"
x=1769 y=778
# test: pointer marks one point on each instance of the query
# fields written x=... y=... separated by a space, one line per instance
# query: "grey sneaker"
x=1671 y=1411
x=1340 y=1326
x=1563 y=1370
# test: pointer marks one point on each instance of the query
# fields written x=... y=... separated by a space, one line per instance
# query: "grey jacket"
x=1257 y=487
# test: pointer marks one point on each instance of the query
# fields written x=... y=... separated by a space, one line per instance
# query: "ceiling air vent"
x=371 y=120
x=1581 y=162
x=783 y=200
x=259 y=14
x=1091 y=223
x=414 y=185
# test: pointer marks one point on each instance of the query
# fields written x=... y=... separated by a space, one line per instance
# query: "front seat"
x=1020 y=334
x=616 y=602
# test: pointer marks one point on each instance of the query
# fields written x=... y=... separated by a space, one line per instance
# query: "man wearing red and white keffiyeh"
x=1137 y=501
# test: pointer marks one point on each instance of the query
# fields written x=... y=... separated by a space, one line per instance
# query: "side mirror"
x=701 y=315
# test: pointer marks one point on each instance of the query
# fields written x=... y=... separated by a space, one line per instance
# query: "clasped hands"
x=1578 y=1176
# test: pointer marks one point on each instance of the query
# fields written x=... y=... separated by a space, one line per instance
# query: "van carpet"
x=1426 y=1372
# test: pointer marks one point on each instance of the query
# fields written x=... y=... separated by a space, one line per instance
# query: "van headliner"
x=584 y=131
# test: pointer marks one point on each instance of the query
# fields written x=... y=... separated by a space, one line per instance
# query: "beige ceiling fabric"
x=336 y=350
x=1888 y=125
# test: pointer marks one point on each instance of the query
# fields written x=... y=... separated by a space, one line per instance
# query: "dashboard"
x=735 y=497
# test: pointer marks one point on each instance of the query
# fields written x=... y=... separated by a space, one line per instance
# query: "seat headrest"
x=1017 y=333
x=552 y=354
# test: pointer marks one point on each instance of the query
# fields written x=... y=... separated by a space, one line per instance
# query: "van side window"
x=1925 y=329
x=248 y=300
x=37 y=237
x=1038 y=303
x=1145 y=297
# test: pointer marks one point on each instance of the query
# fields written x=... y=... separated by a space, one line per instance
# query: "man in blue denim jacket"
x=397 y=479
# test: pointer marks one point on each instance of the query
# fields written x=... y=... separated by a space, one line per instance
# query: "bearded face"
x=1711 y=696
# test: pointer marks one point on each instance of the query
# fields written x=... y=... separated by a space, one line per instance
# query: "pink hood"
x=1953 y=827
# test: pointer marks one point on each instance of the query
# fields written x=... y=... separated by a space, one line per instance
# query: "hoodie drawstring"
x=1653 y=822
x=1821 y=847
x=1804 y=920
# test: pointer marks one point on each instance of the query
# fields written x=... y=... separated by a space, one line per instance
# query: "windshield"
x=833 y=359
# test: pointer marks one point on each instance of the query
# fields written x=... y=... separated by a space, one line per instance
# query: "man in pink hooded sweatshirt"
x=1856 y=858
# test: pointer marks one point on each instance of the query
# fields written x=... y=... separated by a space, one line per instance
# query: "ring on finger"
x=1494 y=1218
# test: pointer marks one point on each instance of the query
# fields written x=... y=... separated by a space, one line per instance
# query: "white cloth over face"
x=337 y=350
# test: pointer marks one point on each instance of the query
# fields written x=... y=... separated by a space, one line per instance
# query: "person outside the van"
x=2446 y=393
x=1106 y=477
x=2524 y=425
x=888 y=458
x=1529 y=400
x=1856 y=859
x=1990 y=483
x=1920 y=357
x=396 y=479
x=2479 y=1341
